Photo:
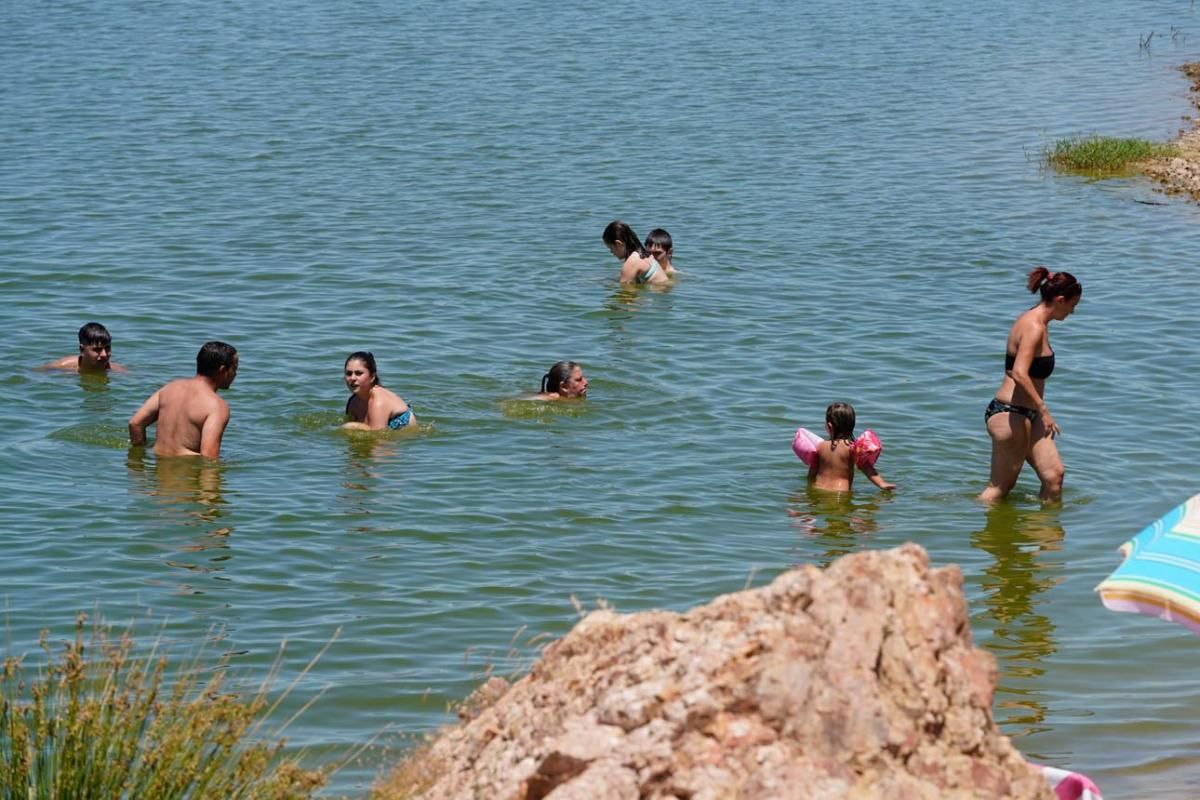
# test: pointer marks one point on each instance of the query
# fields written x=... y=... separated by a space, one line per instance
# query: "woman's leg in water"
x=1044 y=457
x=1010 y=446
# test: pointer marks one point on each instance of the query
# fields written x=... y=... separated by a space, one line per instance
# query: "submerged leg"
x=1010 y=443
x=1044 y=457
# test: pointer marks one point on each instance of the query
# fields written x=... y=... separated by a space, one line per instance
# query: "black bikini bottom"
x=998 y=407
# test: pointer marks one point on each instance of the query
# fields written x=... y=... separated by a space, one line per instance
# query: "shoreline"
x=1180 y=174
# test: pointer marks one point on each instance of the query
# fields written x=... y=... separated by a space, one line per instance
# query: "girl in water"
x=832 y=468
x=1017 y=419
x=637 y=265
x=564 y=381
x=370 y=406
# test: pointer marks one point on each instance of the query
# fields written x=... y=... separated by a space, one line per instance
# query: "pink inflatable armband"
x=804 y=445
x=1070 y=785
x=867 y=449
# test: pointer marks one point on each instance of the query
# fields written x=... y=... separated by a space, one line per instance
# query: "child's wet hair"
x=95 y=333
x=659 y=236
x=840 y=417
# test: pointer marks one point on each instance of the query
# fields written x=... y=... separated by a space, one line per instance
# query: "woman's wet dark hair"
x=368 y=360
x=618 y=231
x=840 y=417
x=1054 y=284
x=553 y=379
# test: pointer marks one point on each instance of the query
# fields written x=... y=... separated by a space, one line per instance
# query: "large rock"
x=858 y=681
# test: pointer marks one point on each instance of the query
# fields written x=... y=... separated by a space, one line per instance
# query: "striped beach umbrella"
x=1161 y=572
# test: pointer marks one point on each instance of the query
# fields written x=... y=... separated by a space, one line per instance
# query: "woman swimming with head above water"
x=564 y=381
x=370 y=406
x=1017 y=419
x=637 y=265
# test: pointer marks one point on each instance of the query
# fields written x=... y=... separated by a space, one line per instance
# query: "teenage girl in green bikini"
x=1017 y=418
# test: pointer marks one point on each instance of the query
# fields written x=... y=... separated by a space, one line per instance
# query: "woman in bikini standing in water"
x=637 y=265
x=1018 y=420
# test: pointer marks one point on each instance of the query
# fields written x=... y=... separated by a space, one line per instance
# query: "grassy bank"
x=1104 y=155
x=101 y=719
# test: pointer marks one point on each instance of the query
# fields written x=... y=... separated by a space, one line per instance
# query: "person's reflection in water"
x=366 y=451
x=835 y=522
x=1024 y=544
x=621 y=305
x=625 y=301
x=363 y=482
x=96 y=397
x=187 y=491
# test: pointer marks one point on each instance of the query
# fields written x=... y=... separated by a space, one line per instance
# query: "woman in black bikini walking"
x=1017 y=418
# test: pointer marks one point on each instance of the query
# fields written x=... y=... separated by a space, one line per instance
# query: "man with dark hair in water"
x=191 y=416
x=95 y=352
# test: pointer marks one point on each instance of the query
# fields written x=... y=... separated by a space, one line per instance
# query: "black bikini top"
x=1039 y=369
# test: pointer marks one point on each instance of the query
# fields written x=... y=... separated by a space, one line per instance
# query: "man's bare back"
x=191 y=417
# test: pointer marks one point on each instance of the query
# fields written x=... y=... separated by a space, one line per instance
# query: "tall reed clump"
x=1104 y=155
x=100 y=720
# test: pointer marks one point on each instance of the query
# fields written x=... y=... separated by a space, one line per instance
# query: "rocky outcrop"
x=858 y=681
x=1181 y=174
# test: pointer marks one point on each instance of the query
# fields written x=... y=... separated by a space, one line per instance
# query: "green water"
x=855 y=198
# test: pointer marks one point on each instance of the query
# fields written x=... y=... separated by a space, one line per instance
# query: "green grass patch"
x=1104 y=154
x=100 y=718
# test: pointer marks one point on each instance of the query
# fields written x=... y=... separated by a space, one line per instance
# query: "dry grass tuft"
x=419 y=770
x=99 y=720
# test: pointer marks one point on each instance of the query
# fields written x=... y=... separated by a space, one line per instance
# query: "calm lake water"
x=855 y=197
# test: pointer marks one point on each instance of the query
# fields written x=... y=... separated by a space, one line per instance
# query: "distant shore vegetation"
x=1104 y=155
x=101 y=718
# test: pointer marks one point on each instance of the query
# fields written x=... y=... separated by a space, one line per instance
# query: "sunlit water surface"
x=855 y=197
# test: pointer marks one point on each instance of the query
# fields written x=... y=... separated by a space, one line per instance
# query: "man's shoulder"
x=66 y=362
x=175 y=386
x=188 y=390
x=201 y=393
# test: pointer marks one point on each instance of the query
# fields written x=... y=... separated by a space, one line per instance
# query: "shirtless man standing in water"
x=191 y=417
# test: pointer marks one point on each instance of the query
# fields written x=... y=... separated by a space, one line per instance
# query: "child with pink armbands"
x=831 y=463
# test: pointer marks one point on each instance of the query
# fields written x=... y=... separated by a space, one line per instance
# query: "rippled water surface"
x=855 y=197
